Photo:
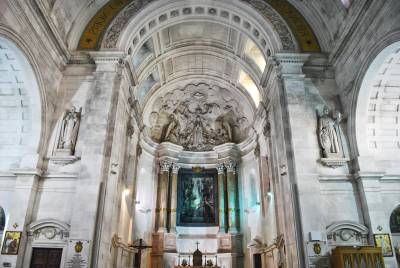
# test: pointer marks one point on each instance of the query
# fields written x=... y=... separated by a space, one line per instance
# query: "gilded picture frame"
x=11 y=243
x=197 y=198
x=384 y=241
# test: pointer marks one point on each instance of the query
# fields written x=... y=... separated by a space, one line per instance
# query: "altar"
x=197 y=259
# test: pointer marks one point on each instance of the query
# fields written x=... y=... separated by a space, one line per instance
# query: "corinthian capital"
x=230 y=166
x=220 y=168
x=175 y=168
x=165 y=165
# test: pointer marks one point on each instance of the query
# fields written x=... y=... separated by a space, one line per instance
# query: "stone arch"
x=394 y=224
x=395 y=220
x=105 y=28
x=21 y=106
x=376 y=111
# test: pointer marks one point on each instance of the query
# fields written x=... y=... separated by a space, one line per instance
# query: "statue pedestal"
x=63 y=159
x=157 y=251
x=334 y=162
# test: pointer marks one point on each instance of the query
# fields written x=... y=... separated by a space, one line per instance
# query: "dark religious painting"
x=197 y=198
x=395 y=221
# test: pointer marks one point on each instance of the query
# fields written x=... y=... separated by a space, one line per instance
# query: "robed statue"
x=329 y=134
x=69 y=130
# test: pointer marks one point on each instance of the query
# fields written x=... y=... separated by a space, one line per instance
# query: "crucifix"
x=138 y=255
x=197 y=243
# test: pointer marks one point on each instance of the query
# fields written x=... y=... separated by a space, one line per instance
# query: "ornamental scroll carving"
x=198 y=117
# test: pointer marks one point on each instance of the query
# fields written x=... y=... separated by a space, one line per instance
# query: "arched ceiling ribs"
x=107 y=26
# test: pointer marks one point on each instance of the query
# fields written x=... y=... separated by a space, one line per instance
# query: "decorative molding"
x=49 y=229
x=64 y=160
x=334 y=162
x=114 y=17
x=347 y=233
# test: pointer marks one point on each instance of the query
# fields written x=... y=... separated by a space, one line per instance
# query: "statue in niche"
x=69 y=130
x=329 y=134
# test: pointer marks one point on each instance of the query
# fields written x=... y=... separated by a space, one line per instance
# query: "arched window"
x=20 y=109
x=395 y=221
x=395 y=230
x=377 y=107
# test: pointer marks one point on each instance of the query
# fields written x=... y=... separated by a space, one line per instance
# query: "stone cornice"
x=108 y=57
x=28 y=172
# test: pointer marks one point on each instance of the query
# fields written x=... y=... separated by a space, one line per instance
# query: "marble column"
x=174 y=197
x=232 y=196
x=162 y=196
x=221 y=198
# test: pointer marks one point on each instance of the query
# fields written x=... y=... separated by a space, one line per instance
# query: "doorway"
x=257 y=261
x=46 y=258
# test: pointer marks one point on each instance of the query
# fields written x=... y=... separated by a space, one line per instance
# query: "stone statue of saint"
x=328 y=133
x=197 y=138
x=171 y=134
x=69 y=130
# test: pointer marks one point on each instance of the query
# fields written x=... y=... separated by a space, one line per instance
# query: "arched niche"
x=394 y=224
x=377 y=113
x=395 y=220
x=20 y=108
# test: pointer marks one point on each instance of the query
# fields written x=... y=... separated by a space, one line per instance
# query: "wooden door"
x=46 y=258
x=257 y=261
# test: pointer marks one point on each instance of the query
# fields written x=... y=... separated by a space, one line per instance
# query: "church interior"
x=213 y=133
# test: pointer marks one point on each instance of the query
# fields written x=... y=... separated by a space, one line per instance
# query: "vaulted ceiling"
x=69 y=16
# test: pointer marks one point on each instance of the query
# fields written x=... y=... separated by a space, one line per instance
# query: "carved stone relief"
x=347 y=233
x=48 y=229
x=122 y=20
x=279 y=24
x=198 y=117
